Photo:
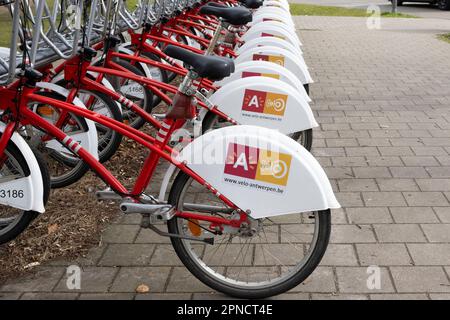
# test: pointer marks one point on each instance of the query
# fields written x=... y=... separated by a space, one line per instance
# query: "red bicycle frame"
x=21 y=115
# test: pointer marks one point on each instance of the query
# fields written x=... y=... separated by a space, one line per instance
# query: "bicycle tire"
x=197 y=270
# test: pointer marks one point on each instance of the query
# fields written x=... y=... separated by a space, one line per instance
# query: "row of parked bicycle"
x=247 y=207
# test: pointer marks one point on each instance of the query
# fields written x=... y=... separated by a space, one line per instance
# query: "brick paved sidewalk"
x=383 y=101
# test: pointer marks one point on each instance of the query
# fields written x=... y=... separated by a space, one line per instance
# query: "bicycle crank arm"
x=174 y=235
x=206 y=208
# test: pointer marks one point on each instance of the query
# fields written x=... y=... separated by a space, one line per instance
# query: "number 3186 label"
x=14 y=193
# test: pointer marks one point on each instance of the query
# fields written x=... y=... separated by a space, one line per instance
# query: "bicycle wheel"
x=212 y=121
x=134 y=91
x=280 y=253
x=65 y=167
x=14 y=221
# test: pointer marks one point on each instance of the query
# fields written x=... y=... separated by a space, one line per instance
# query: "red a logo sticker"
x=242 y=161
x=254 y=101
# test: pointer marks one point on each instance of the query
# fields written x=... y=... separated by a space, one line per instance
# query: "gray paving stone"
x=321 y=280
x=397 y=184
x=90 y=259
x=211 y=296
x=430 y=253
x=439 y=172
x=329 y=152
x=372 y=172
x=357 y=185
x=106 y=296
x=374 y=142
x=434 y=184
x=368 y=215
x=383 y=254
x=408 y=172
x=338 y=216
x=420 y=279
x=361 y=151
x=437 y=232
x=355 y=280
x=425 y=199
x=163 y=296
x=149 y=236
x=291 y=296
x=427 y=151
x=443 y=213
x=43 y=280
x=336 y=173
x=182 y=281
x=415 y=161
x=395 y=151
x=129 y=278
x=384 y=161
x=401 y=296
x=49 y=296
x=128 y=219
x=378 y=199
x=93 y=279
x=348 y=142
x=349 y=199
x=413 y=215
x=165 y=255
x=127 y=255
x=120 y=233
x=339 y=255
x=352 y=234
x=10 y=295
x=440 y=296
x=384 y=133
x=399 y=233
x=353 y=133
x=443 y=160
x=349 y=161
x=338 y=296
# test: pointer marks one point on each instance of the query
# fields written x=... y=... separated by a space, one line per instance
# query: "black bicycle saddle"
x=237 y=16
x=211 y=67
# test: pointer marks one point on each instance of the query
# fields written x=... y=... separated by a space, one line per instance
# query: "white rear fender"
x=247 y=164
x=279 y=56
x=269 y=41
x=88 y=140
x=267 y=29
x=273 y=10
x=265 y=102
x=277 y=4
x=268 y=16
x=265 y=69
x=287 y=27
x=285 y=2
x=25 y=193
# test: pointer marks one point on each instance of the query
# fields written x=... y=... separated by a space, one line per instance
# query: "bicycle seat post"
x=215 y=38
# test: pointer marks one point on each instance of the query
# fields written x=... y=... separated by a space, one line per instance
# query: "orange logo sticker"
x=271 y=58
x=247 y=74
x=265 y=34
x=264 y=102
x=258 y=164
